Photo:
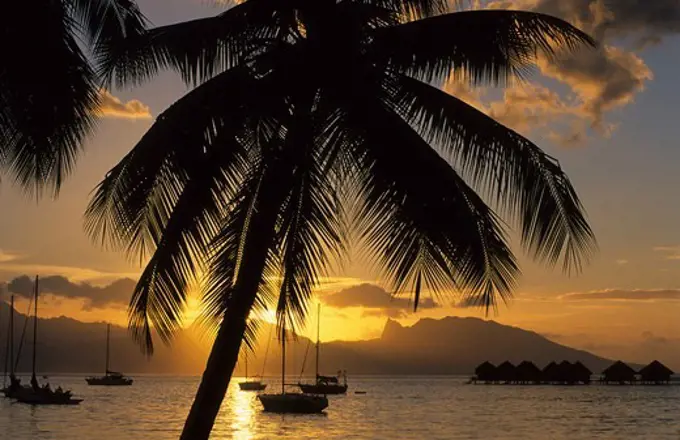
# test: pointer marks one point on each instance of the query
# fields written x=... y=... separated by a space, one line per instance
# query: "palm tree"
x=312 y=119
x=49 y=92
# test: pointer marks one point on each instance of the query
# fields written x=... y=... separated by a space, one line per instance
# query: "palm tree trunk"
x=260 y=235
x=225 y=350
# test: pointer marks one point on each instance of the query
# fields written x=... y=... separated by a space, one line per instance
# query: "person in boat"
x=326 y=379
x=34 y=384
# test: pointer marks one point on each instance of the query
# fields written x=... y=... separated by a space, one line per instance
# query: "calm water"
x=393 y=408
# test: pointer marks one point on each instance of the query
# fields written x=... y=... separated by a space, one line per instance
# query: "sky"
x=607 y=114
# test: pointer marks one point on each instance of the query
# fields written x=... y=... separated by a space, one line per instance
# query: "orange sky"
x=626 y=176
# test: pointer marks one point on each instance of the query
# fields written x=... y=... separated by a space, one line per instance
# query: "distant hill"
x=447 y=346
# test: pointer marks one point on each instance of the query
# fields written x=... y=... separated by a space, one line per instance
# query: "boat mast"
x=11 y=336
x=35 y=330
x=108 y=337
x=318 y=331
x=246 y=360
x=283 y=359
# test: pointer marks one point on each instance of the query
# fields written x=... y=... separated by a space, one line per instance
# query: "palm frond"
x=108 y=22
x=412 y=9
x=311 y=221
x=44 y=118
x=528 y=185
x=477 y=46
x=136 y=197
x=427 y=227
x=199 y=49
x=182 y=239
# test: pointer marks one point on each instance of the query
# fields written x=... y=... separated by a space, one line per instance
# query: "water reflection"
x=243 y=406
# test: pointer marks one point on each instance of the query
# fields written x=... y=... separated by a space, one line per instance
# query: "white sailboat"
x=110 y=378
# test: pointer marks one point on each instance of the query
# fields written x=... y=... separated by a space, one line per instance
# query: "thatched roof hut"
x=619 y=372
x=550 y=372
x=656 y=373
x=506 y=372
x=527 y=372
x=486 y=372
x=581 y=373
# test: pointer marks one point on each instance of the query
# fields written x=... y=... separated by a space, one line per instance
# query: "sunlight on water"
x=242 y=410
x=394 y=408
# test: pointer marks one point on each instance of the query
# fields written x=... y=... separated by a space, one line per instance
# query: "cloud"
x=376 y=299
x=624 y=295
x=6 y=256
x=599 y=81
x=116 y=293
x=672 y=252
x=622 y=262
x=113 y=107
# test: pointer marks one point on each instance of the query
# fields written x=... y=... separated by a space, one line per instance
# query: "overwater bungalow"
x=565 y=373
x=527 y=373
x=506 y=372
x=655 y=373
x=582 y=374
x=486 y=372
x=619 y=373
x=550 y=373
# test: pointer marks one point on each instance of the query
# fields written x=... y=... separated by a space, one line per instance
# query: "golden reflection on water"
x=243 y=407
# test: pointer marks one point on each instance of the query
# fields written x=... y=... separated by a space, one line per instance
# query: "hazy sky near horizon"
x=608 y=115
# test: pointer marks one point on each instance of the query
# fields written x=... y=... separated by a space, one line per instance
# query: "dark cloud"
x=601 y=80
x=625 y=295
x=115 y=294
x=375 y=298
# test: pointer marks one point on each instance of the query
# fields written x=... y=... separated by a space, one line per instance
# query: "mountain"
x=447 y=346
x=66 y=345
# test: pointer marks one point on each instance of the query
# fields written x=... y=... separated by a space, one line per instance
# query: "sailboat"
x=295 y=403
x=251 y=385
x=324 y=384
x=35 y=394
x=111 y=378
x=14 y=382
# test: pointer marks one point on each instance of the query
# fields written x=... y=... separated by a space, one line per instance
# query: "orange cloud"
x=113 y=107
x=599 y=81
x=8 y=256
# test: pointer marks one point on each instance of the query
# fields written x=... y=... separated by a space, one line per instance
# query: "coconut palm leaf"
x=43 y=118
x=488 y=46
x=151 y=177
x=528 y=185
x=108 y=22
x=198 y=49
x=311 y=230
x=424 y=224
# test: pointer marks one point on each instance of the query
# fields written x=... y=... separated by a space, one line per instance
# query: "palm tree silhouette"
x=313 y=121
x=49 y=92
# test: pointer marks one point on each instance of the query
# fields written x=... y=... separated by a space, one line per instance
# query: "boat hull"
x=31 y=397
x=293 y=403
x=252 y=386
x=109 y=381
x=325 y=389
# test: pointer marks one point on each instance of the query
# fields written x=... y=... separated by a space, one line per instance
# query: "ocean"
x=410 y=407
